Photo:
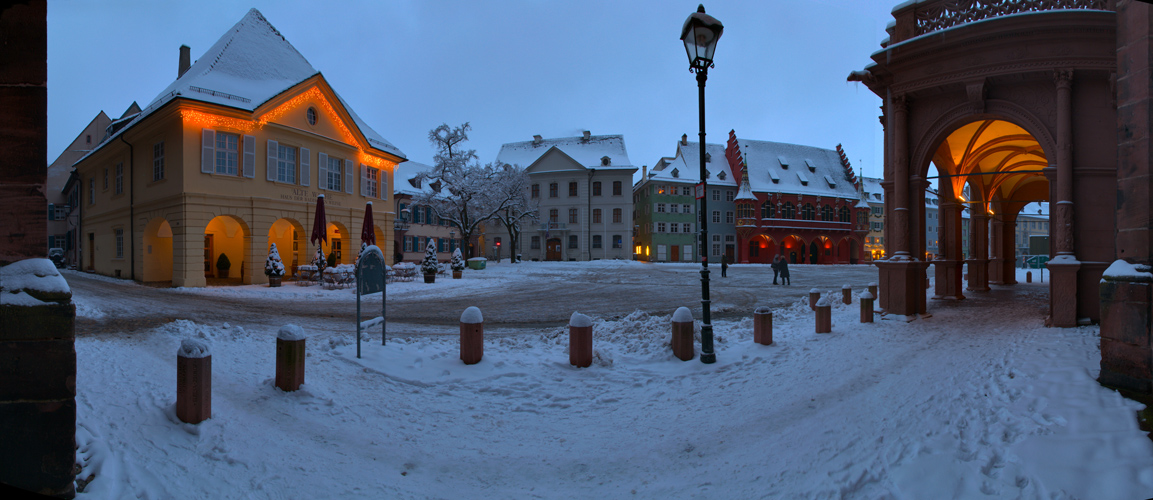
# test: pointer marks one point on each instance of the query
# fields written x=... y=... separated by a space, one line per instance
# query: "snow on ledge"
x=471 y=316
x=579 y=320
x=1120 y=270
x=1064 y=259
x=193 y=348
x=290 y=332
x=682 y=315
x=32 y=282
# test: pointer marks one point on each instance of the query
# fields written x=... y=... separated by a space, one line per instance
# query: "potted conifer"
x=273 y=267
x=222 y=266
x=429 y=265
x=457 y=264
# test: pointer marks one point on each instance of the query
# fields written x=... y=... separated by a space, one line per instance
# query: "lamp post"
x=700 y=34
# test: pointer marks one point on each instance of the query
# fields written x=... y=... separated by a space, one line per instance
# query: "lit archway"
x=227 y=235
x=793 y=249
x=289 y=237
x=338 y=242
x=157 y=251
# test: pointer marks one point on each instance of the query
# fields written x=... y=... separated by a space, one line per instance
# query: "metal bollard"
x=193 y=382
x=289 y=358
x=814 y=296
x=580 y=340
x=824 y=316
x=471 y=336
x=683 y=334
x=867 y=307
x=763 y=325
x=847 y=294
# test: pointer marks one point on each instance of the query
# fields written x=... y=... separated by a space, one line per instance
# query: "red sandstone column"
x=996 y=250
x=948 y=266
x=471 y=336
x=763 y=326
x=290 y=358
x=682 y=341
x=1064 y=265
x=580 y=340
x=900 y=222
x=193 y=382
x=978 y=250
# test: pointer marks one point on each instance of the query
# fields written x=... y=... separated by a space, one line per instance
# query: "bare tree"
x=512 y=187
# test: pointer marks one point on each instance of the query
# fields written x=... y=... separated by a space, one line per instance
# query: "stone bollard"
x=683 y=334
x=1028 y=276
x=867 y=307
x=580 y=340
x=763 y=325
x=847 y=294
x=471 y=336
x=289 y=358
x=193 y=382
x=873 y=289
x=814 y=296
x=824 y=316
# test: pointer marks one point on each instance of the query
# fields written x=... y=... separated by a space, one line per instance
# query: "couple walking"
x=781 y=268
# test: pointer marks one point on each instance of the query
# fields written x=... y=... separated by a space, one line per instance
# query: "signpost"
x=370 y=278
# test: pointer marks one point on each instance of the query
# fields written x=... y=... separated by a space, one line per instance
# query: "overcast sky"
x=511 y=68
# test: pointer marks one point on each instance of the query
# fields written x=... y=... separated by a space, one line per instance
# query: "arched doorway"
x=157 y=251
x=289 y=237
x=227 y=236
x=815 y=249
x=338 y=243
x=793 y=249
x=761 y=249
x=843 y=251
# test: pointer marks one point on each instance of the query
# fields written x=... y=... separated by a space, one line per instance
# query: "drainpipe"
x=131 y=209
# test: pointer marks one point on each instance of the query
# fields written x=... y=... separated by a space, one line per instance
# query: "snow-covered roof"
x=251 y=64
x=810 y=170
x=589 y=153
x=687 y=164
x=404 y=175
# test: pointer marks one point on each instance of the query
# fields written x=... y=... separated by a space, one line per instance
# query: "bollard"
x=193 y=382
x=471 y=336
x=1028 y=276
x=824 y=316
x=580 y=340
x=763 y=325
x=683 y=334
x=867 y=307
x=847 y=294
x=289 y=358
x=873 y=289
x=814 y=296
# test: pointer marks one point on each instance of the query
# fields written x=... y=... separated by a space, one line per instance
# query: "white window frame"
x=158 y=161
x=119 y=189
x=660 y=227
x=335 y=171
x=226 y=161
x=285 y=168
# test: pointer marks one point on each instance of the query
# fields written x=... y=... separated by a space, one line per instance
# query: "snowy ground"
x=979 y=400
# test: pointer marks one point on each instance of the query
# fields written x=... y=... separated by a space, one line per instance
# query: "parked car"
x=56 y=255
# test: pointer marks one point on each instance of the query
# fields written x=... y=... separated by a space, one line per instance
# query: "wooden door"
x=552 y=249
x=675 y=256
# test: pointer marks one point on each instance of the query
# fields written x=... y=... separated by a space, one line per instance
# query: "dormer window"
x=676 y=173
x=809 y=163
x=783 y=161
x=721 y=176
x=606 y=161
x=708 y=157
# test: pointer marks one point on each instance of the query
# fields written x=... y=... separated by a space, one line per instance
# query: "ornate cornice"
x=1002 y=69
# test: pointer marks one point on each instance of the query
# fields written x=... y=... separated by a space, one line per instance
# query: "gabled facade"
x=416 y=224
x=582 y=185
x=64 y=196
x=229 y=159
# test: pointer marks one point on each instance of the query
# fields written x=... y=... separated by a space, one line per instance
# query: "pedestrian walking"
x=725 y=266
x=784 y=265
x=776 y=265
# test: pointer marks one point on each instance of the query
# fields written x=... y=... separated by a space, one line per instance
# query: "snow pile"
x=1120 y=270
x=32 y=282
x=290 y=332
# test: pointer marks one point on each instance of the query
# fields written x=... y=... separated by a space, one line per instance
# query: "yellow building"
x=229 y=159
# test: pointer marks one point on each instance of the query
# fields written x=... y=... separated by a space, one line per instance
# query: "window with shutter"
x=363 y=179
x=305 y=167
x=207 y=150
x=348 y=167
x=249 y=166
x=273 y=162
x=322 y=171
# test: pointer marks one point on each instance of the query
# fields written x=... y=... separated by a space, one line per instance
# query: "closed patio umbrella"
x=367 y=229
x=320 y=223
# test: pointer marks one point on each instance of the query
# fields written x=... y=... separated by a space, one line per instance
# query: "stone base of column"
x=949 y=282
x=902 y=288
x=997 y=272
x=978 y=275
x=1063 y=292
x=1126 y=356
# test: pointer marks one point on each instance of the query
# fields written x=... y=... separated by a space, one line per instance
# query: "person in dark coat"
x=784 y=266
x=724 y=266
x=776 y=267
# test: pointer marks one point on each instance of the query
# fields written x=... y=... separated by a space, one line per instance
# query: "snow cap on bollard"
x=866 y=295
x=847 y=287
x=471 y=316
x=763 y=310
x=823 y=302
x=579 y=320
x=814 y=290
x=290 y=332
x=682 y=315
x=193 y=348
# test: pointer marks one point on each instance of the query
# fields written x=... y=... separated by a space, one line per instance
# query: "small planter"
x=457 y=274
x=274 y=281
x=222 y=273
x=430 y=278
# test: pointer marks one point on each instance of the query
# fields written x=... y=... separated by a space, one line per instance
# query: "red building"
x=798 y=201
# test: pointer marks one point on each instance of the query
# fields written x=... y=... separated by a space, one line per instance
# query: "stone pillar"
x=814 y=296
x=846 y=294
x=37 y=353
x=900 y=213
x=1009 y=253
x=873 y=289
x=193 y=382
x=682 y=341
x=580 y=340
x=824 y=316
x=948 y=266
x=996 y=251
x=471 y=336
x=1126 y=298
x=763 y=326
x=978 y=260
x=1064 y=265
x=866 y=307
x=290 y=356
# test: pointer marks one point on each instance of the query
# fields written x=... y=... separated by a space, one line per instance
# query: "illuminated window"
x=371 y=183
x=226 y=153
x=333 y=177
x=158 y=161
x=285 y=163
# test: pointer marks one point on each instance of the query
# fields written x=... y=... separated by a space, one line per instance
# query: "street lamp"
x=700 y=34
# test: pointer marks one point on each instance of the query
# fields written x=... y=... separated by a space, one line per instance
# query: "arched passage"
x=793 y=249
x=227 y=235
x=289 y=237
x=157 y=251
x=761 y=249
x=338 y=242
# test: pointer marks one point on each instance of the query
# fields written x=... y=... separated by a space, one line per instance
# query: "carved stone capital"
x=1063 y=77
x=900 y=103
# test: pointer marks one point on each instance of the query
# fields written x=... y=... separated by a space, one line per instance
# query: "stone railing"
x=918 y=18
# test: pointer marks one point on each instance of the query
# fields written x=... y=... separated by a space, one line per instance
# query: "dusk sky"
x=511 y=68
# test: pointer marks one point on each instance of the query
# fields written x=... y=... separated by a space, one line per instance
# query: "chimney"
x=644 y=172
x=184 y=61
x=536 y=140
x=684 y=139
x=586 y=138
